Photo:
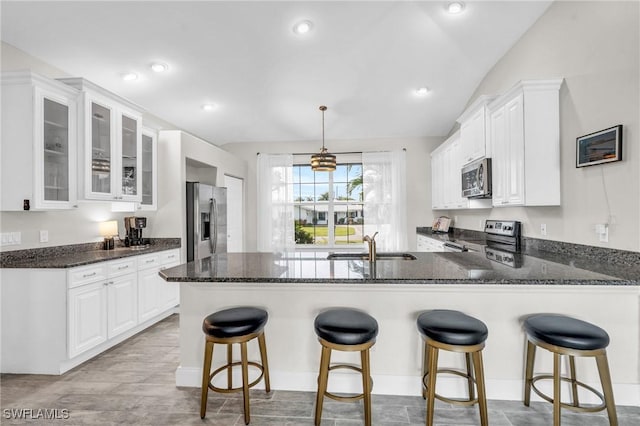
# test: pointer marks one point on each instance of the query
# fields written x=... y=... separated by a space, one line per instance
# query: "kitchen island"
x=295 y=287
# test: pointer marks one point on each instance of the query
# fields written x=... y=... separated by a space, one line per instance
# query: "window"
x=328 y=206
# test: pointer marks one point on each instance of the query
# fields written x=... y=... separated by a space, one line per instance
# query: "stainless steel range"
x=503 y=242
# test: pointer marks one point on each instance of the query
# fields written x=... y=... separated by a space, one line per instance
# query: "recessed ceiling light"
x=159 y=67
x=455 y=7
x=209 y=107
x=302 y=27
x=422 y=91
x=130 y=76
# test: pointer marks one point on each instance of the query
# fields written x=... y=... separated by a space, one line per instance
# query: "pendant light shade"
x=323 y=162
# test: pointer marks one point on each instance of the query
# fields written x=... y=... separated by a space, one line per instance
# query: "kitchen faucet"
x=372 y=246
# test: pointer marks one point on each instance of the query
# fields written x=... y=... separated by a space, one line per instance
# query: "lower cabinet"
x=122 y=303
x=155 y=295
x=87 y=317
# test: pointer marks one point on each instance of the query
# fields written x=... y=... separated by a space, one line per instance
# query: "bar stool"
x=456 y=332
x=229 y=326
x=563 y=335
x=350 y=330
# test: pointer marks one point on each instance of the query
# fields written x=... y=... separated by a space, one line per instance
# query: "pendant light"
x=323 y=162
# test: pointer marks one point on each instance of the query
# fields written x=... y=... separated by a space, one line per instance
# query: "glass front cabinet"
x=39 y=122
x=111 y=156
x=149 y=169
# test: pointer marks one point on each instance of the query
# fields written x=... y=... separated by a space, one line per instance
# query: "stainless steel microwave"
x=476 y=179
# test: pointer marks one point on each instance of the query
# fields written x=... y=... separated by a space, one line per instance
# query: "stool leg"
x=366 y=386
x=556 y=389
x=206 y=371
x=531 y=356
x=470 y=376
x=574 y=385
x=245 y=381
x=265 y=364
x=425 y=369
x=482 y=398
x=607 y=390
x=431 y=388
x=325 y=359
x=229 y=369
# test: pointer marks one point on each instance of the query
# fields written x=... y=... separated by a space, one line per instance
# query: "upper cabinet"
x=446 y=180
x=473 y=131
x=149 y=169
x=38 y=143
x=110 y=159
x=524 y=134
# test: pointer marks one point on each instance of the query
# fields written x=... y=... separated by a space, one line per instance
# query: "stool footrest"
x=229 y=366
x=578 y=408
x=349 y=398
x=463 y=402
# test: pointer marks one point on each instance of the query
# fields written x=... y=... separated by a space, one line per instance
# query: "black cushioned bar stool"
x=345 y=329
x=456 y=332
x=229 y=326
x=563 y=335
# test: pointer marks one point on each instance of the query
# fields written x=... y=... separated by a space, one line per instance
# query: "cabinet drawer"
x=169 y=256
x=148 y=261
x=87 y=274
x=121 y=267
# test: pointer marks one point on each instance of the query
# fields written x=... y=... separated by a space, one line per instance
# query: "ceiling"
x=364 y=60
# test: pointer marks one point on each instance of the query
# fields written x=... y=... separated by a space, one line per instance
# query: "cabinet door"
x=499 y=163
x=454 y=176
x=514 y=184
x=149 y=168
x=170 y=291
x=130 y=156
x=149 y=283
x=122 y=304
x=437 y=181
x=100 y=140
x=472 y=134
x=87 y=312
x=55 y=151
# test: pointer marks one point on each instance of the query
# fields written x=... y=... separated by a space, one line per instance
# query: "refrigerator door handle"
x=211 y=218
x=215 y=225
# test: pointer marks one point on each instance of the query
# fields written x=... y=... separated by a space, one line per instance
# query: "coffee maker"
x=133 y=226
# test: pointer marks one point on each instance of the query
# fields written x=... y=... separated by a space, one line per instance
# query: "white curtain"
x=385 y=198
x=275 y=203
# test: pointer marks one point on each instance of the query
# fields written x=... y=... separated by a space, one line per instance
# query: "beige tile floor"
x=133 y=384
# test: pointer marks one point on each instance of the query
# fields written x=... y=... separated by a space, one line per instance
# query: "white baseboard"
x=509 y=390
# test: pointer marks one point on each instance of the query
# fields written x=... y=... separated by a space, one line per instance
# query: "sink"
x=365 y=256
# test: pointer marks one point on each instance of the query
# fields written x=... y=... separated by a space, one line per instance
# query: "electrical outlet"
x=44 y=236
x=543 y=229
x=11 y=239
x=602 y=229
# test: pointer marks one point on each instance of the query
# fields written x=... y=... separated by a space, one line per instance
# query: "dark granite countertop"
x=472 y=267
x=73 y=255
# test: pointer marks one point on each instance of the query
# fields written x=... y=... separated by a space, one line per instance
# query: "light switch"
x=44 y=236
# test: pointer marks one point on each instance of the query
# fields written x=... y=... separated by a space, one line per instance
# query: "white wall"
x=418 y=174
x=595 y=46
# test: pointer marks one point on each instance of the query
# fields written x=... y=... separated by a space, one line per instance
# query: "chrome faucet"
x=372 y=246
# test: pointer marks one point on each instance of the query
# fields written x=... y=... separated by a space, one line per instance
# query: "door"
x=122 y=294
x=101 y=135
x=87 y=317
x=204 y=217
x=148 y=288
x=235 y=213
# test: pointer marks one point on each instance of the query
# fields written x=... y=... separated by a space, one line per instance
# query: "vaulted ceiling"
x=364 y=60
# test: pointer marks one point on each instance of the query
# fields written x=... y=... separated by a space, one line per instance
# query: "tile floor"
x=133 y=384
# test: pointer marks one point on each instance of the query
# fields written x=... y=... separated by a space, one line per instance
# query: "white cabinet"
x=87 y=317
x=426 y=244
x=102 y=303
x=39 y=143
x=473 y=131
x=149 y=176
x=155 y=295
x=110 y=160
x=524 y=131
x=446 y=181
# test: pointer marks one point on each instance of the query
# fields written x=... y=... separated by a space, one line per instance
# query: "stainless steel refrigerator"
x=206 y=220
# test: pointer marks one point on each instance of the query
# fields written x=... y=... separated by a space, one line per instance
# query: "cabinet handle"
x=123 y=267
x=89 y=275
x=505 y=202
x=105 y=284
x=171 y=257
x=150 y=261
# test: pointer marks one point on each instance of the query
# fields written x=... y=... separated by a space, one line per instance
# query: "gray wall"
x=595 y=47
x=418 y=174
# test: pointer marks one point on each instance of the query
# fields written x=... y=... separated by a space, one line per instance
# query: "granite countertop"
x=70 y=256
x=472 y=267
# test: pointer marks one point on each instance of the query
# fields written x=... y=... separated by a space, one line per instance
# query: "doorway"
x=235 y=213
